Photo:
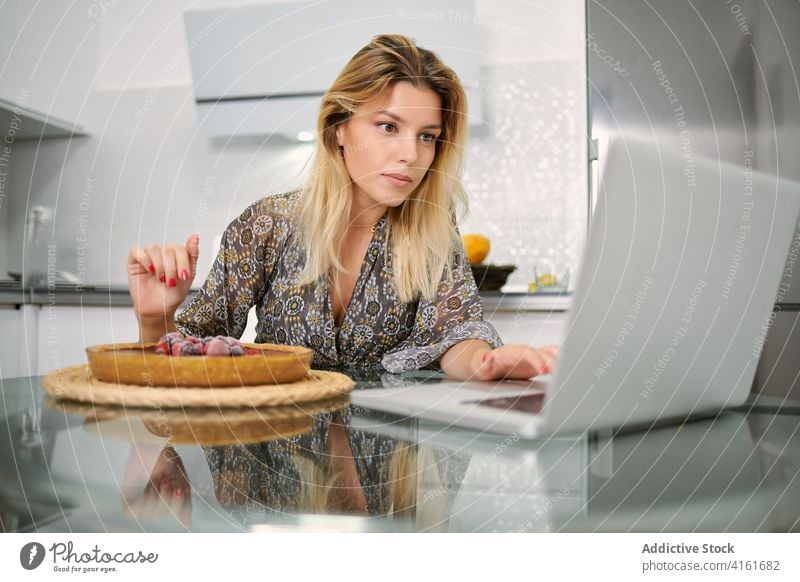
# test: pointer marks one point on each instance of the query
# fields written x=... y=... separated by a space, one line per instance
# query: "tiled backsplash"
x=527 y=177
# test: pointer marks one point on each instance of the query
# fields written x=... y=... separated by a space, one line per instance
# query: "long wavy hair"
x=421 y=233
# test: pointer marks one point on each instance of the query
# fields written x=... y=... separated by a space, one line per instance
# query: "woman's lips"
x=396 y=181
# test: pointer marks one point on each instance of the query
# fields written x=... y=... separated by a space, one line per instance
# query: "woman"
x=365 y=264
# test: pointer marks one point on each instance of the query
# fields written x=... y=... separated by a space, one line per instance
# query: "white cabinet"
x=249 y=333
x=51 y=48
x=65 y=332
x=263 y=68
x=10 y=321
x=536 y=328
x=18 y=324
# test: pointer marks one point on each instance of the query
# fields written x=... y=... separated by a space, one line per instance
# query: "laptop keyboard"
x=530 y=403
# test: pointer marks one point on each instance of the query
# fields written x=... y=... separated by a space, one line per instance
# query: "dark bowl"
x=491 y=277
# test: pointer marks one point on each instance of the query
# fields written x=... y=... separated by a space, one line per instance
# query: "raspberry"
x=218 y=347
x=175 y=344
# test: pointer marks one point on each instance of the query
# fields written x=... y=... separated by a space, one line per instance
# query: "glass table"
x=334 y=466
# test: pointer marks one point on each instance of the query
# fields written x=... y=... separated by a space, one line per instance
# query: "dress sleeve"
x=238 y=278
x=456 y=314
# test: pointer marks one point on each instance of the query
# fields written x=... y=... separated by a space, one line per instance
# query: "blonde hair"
x=410 y=467
x=420 y=233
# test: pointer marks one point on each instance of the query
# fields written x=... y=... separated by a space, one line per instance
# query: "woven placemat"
x=77 y=383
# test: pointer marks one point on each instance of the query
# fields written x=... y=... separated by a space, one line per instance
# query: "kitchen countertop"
x=12 y=293
x=85 y=470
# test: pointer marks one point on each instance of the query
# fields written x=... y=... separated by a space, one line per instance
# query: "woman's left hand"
x=516 y=362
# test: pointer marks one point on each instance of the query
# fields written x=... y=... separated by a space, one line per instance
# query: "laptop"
x=683 y=262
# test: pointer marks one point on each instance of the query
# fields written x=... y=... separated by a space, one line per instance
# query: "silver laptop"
x=682 y=266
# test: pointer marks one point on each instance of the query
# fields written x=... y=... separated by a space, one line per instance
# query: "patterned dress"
x=258 y=263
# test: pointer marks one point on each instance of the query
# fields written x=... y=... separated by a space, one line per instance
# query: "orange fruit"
x=477 y=247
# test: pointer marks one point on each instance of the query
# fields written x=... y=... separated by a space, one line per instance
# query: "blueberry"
x=190 y=349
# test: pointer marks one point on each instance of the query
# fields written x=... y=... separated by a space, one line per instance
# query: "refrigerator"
x=723 y=78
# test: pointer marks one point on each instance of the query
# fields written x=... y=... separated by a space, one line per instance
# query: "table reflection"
x=335 y=468
x=273 y=465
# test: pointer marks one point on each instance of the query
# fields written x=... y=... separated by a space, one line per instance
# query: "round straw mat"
x=77 y=383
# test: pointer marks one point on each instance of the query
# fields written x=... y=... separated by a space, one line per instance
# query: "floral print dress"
x=259 y=260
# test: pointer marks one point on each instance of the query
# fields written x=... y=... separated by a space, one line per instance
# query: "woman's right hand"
x=160 y=276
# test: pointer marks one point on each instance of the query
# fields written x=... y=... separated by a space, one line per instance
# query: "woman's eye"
x=392 y=128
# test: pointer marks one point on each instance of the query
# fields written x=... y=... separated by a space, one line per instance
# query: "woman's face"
x=392 y=135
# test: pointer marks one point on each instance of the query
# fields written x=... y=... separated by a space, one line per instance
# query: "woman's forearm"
x=463 y=359
x=151 y=330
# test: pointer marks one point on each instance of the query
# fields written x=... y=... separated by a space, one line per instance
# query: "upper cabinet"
x=48 y=65
x=262 y=69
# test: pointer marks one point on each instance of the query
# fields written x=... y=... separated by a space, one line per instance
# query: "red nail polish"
x=184 y=274
x=162 y=278
x=172 y=282
x=151 y=268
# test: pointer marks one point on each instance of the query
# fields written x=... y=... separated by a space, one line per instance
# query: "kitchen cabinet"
x=65 y=331
x=252 y=76
x=536 y=328
x=10 y=322
x=249 y=333
x=47 y=83
x=18 y=356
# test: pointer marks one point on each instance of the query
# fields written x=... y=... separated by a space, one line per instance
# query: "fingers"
x=138 y=261
x=522 y=362
x=193 y=252
x=168 y=263
x=170 y=266
x=550 y=354
x=145 y=507
x=156 y=259
x=159 y=499
x=518 y=362
x=183 y=262
x=486 y=371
